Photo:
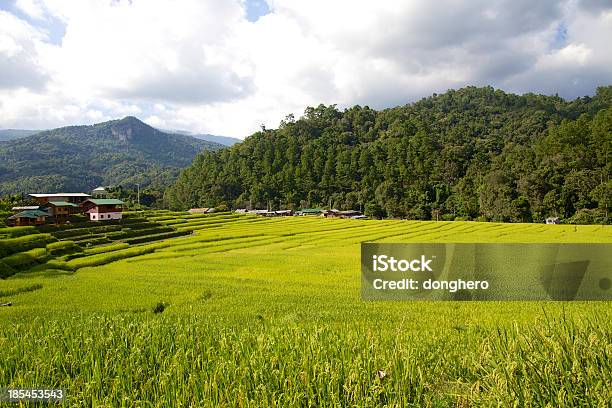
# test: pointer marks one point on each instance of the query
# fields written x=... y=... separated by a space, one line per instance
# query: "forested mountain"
x=11 y=134
x=79 y=158
x=473 y=153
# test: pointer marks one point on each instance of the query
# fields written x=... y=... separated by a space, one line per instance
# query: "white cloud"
x=33 y=8
x=201 y=66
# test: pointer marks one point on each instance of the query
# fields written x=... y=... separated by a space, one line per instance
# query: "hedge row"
x=127 y=233
x=53 y=264
x=106 y=248
x=156 y=237
x=63 y=248
x=6 y=270
x=85 y=231
x=25 y=260
x=25 y=243
x=13 y=232
x=86 y=243
x=101 y=259
x=198 y=227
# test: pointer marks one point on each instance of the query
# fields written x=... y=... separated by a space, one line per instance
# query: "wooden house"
x=310 y=211
x=16 y=210
x=74 y=198
x=60 y=210
x=28 y=217
x=342 y=214
x=103 y=209
x=204 y=210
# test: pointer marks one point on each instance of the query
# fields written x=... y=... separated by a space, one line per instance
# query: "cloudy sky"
x=226 y=67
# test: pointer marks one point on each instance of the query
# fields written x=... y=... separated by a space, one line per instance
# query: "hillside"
x=79 y=158
x=473 y=153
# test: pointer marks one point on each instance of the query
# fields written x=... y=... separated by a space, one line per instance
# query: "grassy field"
x=267 y=312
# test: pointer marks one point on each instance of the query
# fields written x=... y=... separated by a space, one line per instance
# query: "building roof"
x=99 y=189
x=60 y=195
x=30 y=214
x=26 y=207
x=311 y=210
x=105 y=201
x=61 y=204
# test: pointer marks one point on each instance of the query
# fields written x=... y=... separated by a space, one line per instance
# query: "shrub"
x=17 y=231
x=93 y=242
x=62 y=248
x=53 y=264
x=24 y=260
x=106 y=248
x=137 y=233
x=6 y=270
x=159 y=307
x=157 y=237
x=105 y=258
x=25 y=243
x=462 y=218
x=589 y=216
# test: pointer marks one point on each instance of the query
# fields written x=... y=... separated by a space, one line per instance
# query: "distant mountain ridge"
x=11 y=134
x=79 y=158
x=224 y=140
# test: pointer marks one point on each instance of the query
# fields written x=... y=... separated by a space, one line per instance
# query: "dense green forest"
x=78 y=158
x=473 y=153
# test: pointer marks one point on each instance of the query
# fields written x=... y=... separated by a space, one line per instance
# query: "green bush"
x=106 y=248
x=6 y=270
x=17 y=231
x=96 y=229
x=25 y=260
x=105 y=258
x=25 y=243
x=62 y=248
x=138 y=232
x=93 y=242
x=53 y=264
x=156 y=237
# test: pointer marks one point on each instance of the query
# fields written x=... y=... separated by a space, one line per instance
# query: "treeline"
x=474 y=153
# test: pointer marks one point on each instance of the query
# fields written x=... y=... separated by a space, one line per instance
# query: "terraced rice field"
x=250 y=311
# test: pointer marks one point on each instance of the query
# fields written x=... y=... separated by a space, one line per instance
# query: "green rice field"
x=182 y=310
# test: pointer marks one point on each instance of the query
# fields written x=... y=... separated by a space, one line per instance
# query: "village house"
x=553 y=220
x=16 y=210
x=74 y=198
x=28 y=217
x=343 y=214
x=204 y=210
x=60 y=210
x=310 y=211
x=103 y=209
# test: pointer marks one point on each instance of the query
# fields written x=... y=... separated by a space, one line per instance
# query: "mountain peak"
x=130 y=128
x=130 y=119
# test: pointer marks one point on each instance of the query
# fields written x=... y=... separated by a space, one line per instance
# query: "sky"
x=228 y=67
